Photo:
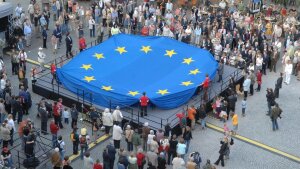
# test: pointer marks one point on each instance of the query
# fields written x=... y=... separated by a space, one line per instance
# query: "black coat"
x=69 y=42
x=43 y=114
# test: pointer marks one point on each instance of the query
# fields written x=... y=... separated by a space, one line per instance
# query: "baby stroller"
x=197 y=159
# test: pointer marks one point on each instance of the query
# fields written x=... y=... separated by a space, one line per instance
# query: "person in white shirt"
x=3 y=82
x=117 y=115
x=66 y=115
x=92 y=26
x=41 y=58
x=61 y=145
x=18 y=10
x=11 y=124
x=22 y=59
x=169 y=6
x=178 y=162
x=57 y=4
x=288 y=71
x=117 y=135
x=259 y=62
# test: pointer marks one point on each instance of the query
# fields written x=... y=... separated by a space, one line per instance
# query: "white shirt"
x=66 y=114
x=3 y=83
x=117 y=132
x=11 y=123
x=117 y=115
x=62 y=144
x=91 y=23
x=288 y=68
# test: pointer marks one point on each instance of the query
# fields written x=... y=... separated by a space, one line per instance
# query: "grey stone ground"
x=256 y=125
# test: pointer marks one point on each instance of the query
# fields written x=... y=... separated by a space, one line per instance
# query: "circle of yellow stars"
x=146 y=50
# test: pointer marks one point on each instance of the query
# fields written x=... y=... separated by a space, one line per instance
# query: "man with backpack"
x=196 y=158
x=75 y=140
x=60 y=144
x=84 y=138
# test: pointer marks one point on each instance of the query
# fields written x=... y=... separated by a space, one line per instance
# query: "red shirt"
x=206 y=82
x=53 y=68
x=140 y=157
x=56 y=110
x=144 y=101
x=53 y=128
x=97 y=166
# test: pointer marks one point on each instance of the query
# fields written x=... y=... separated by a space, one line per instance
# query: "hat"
x=40 y=48
x=146 y=124
x=128 y=127
x=118 y=107
x=5 y=149
x=56 y=149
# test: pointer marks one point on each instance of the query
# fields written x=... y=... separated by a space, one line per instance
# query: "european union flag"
x=120 y=69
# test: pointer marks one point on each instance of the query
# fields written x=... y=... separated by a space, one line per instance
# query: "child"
x=97 y=165
x=226 y=129
x=66 y=115
x=223 y=116
x=244 y=105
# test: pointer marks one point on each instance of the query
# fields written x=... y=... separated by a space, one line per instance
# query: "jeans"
x=20 y=117
x=75 y=147
x=9 y=162
x=62 y=155
x=187 y=143
x=54 y=138
x=203 y=122
x=83 y=148
x=66 y=120
x=275 y=124
x=129 y=146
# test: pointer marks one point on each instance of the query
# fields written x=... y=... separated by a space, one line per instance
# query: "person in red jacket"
x=53 y=129
x=259 y=80
x=205 y=86
x=57 y=114
x=144 y=100
x=97 y=165
x=53 y=72
x=140 y=158
x=82 y=43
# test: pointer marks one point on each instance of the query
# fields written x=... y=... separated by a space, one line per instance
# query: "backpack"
x=57 y=145
x=196 y=157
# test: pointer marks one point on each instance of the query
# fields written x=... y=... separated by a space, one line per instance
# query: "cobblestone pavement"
x=256 y=125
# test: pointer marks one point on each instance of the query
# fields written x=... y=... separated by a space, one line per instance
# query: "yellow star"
x=107 y=88
x=170 y=53
x=121 y=50
x=187 y=83
x=86 y=67
x=146 y=49
x=89 y=78
x=133 y=93
x=194 y=72
x=163 y=92
x=99 y=56
x=187 y=60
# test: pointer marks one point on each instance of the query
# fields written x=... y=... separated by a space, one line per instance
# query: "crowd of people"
x=235 y=37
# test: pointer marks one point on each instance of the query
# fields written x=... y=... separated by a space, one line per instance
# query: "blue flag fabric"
x=117 y=71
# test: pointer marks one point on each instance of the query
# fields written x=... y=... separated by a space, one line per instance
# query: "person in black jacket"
x=44 y=118
x=202 y=116
x=172 y=149
x=222 y=152
x=44 y=34
x=69 y=44
x=232 y=99
x=187 y=136
x=74 y=116
x=270 y=99
x=278 y=85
